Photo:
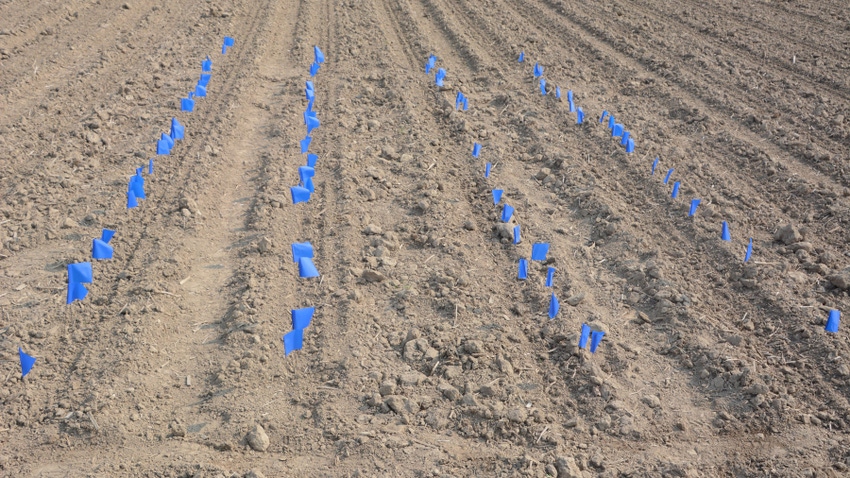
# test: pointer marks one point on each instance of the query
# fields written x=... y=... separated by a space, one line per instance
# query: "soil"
x=426 y=355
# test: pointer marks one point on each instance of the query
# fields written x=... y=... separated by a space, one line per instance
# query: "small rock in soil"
x=257 y=439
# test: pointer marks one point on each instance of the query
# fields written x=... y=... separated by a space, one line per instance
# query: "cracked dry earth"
x=426 y=356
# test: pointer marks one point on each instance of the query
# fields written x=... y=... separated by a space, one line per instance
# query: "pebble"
x=257 y=439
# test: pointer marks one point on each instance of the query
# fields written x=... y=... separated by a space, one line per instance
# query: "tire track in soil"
x=662 y=200
x=815 y=173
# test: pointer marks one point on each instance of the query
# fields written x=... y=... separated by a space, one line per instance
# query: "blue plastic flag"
x=579 y=116
x=602 y=118
x=301 y=318
x=476 y=150
x=162 y=147
x=595 y=338
x=507 y=212
x=749 y=251
x=150 y=166
x=301 y=249
x=458 y=100
x=206 y=65
x=539 y=251
x=625 y=140
x=585 y=334
x=312 y=159
x=725 y=234
x=630 y=146
x=305 y=144
x=187 y=104
x=430 y=64
x=669 y=173
x=570 y=96
x=204 y=80
x=487 y=168
x=694 y=205
x=543 y=86
x=611 y=122
x=833 y=321
x=177 y=130
x=229 y=41
x=465 y=103
x=517 y=236
x=554 y=307
x=521 y=56
x=654 y=165
x=76 y=291
x=439 y=77
x=308 y=184
x=314 y=68
x=200 y=91
x=223 y=49
x=558 y=92
x=293 y=341
x=305 y=172
x=617 y=130
x=312 y=123
x=299 y=194
x=310 y=90
x=107 y=235
x=523 y=270
x=572 y=107
x=80 y=272
x=319 y=56
x=131 y=200
x=675 y=190
x=306 y=268
x=100 y=250
x=550 y=276
x=137 y=185
x=169 y=141
x=497 y=195
x=27 y=362
x=538 y=70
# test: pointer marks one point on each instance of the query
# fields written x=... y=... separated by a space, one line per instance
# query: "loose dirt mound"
x=426 y=356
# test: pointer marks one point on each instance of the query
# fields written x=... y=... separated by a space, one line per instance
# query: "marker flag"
x=625 y=139
x=572 y=107
x=150 y=166
x=617 y=130
x=579 y=116
x=476 y=150
x=523 y=270
x=630 y=146
x=539 y=251
x=312 y=123
x=137 y=185
x=833 y=321
x=107 y=235
x=465 y=103
x=162 y=147
x=312 y=159
x=206 y=65
x=131 y=200
x=305 y=173
x=749 y=251
x=187 y=104
x=538 y=70
x=440 y=76
x=595 y=338
x=585 y=334
x=550 y=276
x=694 y=205
x=497 y=195
x=314 y=68
x=293 y=341
x=301 y=249
x=101 y=250
x=554 y=307
x=570 y=96
x=602 y=118
x=306 y=268
x=301 y=317
x=200 y=91
x=76 y=291
x=177 y=130
x=543 y=86
x=168 y=142
x=521 y=56
x=308 y=184
x=310 y=90
x=487 y=168
x=458 y=100
x=507 y=212
x=517 y=236
x=204 y=80
x=229 y=42
x=299 y=194
x=611 y=122
x=430 y=64
x=725 y=234
x=27 y=362
x=80 y=272
x=654 y=165
x=305 y=144
x=558 y=92
x=669 y=173
x=317 y=53
x=675 y=190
